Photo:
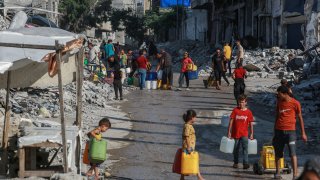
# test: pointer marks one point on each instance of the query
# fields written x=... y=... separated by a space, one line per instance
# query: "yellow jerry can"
x=190 y=163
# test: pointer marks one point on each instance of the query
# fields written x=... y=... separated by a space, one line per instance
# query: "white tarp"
x=45 y=36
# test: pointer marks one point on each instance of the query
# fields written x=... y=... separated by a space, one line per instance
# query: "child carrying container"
x=240 y=119
x=189 y=137
x=96 y=135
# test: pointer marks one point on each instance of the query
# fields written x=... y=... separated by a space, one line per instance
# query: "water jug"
x=252 y=146
x=136 y=81
x=227 y=145
x=85 y=157
x=225 y=120
x=98 y=150
x=148 y=84
x=190 y=163
x=130 y=81
x=128 y=70
x=154 y=84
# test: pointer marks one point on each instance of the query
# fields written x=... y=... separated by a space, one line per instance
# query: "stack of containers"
x=151 y=80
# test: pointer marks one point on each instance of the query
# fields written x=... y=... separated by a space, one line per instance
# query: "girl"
x=184 y=71
x=189 y=136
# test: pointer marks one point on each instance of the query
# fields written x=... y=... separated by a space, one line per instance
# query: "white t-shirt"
x=92 y=56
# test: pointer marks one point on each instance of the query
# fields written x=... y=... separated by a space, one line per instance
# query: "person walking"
x=165 y=64
x=184 y=71
x=189 y=136
x=285 y=129
x=240 y=53
x=142 y=68
x=109 y=49
x=93 y=58
x=240 y=119
x=123 y=59
x=117 y=75
x=239 y=74
x=227 y=53
x=218 y=67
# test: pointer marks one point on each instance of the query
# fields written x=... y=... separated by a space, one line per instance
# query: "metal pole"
x=6 y=128
x=63 y=125
x=177 y=25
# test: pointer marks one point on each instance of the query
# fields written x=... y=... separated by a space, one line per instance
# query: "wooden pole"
x=63 y=125
x=79 y=63
x=6 y=128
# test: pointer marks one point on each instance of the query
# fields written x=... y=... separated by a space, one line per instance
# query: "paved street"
x=157 y=128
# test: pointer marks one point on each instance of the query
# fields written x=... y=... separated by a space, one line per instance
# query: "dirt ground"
x=156 y=118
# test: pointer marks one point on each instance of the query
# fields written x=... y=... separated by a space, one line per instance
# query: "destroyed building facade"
x=284 y=23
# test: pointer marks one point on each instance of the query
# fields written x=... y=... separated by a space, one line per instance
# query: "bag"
x=176 y=167
x=148 y=66
x=192 y=67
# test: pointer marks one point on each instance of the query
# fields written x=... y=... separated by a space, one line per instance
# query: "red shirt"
x=142 y=62
x=241 y=121
x=239 y=72
x=185 y=62
x=287 y=111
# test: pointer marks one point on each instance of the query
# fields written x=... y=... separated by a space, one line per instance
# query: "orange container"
x=86 y=154
x=176 y=167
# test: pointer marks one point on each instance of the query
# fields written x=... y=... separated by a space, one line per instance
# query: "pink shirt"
x=185 y=62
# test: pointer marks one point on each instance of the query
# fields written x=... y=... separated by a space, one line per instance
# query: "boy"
x=240 y=118
x=239 y=74
x=285 y=129
x=104 y=125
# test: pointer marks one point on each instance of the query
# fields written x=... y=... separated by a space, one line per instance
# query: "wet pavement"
x=157 y=127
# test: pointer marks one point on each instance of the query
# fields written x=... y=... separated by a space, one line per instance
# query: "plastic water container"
x=148 y=84
x=193 y=75
x=98 y=150
x=154 y=84
x=252 y=146
x=225 y=120
x=128 y=70
x=227 y=145
x=190 y=163
x=151 y=76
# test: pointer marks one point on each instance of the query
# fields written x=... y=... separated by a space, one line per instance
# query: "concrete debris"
x=3 y=24
x=67 y=176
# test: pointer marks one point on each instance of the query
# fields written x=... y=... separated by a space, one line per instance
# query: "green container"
x=86 y=62
x=130 y=81
x=98 y=151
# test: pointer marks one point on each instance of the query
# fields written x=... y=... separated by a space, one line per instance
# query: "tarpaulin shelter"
x=22 y=49
x=172 y=3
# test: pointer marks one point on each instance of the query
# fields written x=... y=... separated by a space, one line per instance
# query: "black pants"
x=218 y=74
x=117 y=85
x=184 y=75
x=167 y=75
x=239 y=88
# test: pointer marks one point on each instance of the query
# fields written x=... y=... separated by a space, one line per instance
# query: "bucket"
x=225 y=120
x=148 y=84
x=154 y=85
x=227 y=145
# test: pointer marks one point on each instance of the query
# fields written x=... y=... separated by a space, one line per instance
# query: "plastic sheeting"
x=172 y=3
x=41 y=36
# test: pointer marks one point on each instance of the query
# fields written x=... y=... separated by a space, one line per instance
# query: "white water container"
x=154 y=84
x=227 y=145
x=128 y=70
x=225 y=120
x=148 y=84
x=252 y=146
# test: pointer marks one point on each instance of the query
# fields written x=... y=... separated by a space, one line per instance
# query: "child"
x=117 y=84
x=104 y=125
x=239 y=75
x=189 y=136
x=240 y=118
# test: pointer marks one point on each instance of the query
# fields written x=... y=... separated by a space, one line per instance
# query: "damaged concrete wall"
x=36 y=75
x=312 y=30
x=195 y=26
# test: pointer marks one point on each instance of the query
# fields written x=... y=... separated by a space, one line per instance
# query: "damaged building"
x=264 y=23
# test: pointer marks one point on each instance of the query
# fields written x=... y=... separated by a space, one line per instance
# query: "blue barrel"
x=193 y=75
x=151 y=76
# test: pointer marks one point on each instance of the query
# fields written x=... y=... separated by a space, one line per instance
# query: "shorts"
x=282 y=138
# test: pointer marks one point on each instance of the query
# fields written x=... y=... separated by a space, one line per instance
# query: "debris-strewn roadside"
x=32 y=107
